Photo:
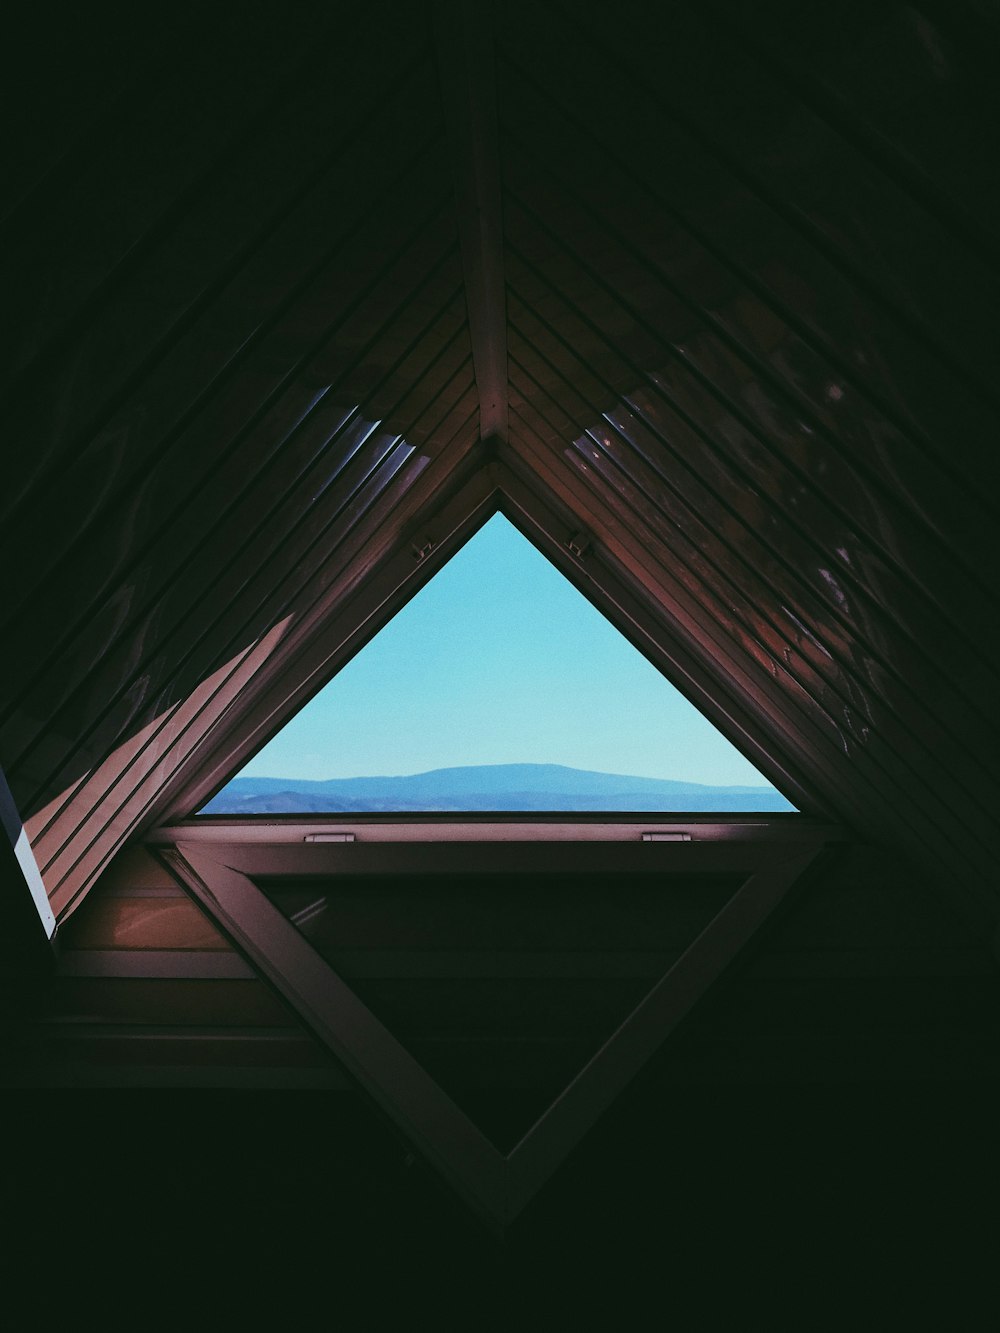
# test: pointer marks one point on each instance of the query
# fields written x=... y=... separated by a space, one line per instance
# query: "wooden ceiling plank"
x=690 y=515
x=751 y=716
x=280 y=516
x=600 y=271
x=861 y=238
x=867 y=806
x=300 y=560
x=222 y=359
x=347 y=625
x=937 y=419
x=142 y=777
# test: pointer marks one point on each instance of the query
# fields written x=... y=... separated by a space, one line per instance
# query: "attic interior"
x=703 y=299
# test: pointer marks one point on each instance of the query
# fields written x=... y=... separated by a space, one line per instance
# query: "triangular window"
x=498 y=687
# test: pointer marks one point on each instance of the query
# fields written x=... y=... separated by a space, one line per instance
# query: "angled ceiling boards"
x=746 y=304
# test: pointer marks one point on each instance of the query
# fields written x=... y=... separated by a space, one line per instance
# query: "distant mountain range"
x=500 y=787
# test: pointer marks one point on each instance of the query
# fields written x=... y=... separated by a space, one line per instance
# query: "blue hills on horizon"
x=489 y=787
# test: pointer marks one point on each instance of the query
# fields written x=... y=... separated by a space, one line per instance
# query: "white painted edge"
x=33 y=878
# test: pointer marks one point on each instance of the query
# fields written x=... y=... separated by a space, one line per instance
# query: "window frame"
x=218 y=863
x=278 y=693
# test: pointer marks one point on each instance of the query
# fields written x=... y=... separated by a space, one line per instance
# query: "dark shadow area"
x=787 y=1205
x=502 y=987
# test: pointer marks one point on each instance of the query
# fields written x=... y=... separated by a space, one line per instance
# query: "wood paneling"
x=148 y=992
x=741 y=268
x=141 y=923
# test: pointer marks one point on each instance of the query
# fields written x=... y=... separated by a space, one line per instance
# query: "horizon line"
x=646 y=777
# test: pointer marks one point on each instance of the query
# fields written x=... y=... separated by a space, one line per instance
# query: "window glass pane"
x=498 y=687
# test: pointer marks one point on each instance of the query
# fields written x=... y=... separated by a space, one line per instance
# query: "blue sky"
x=500 y=660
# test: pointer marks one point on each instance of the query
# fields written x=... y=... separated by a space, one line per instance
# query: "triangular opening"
x=498 y=687
x=502 y=986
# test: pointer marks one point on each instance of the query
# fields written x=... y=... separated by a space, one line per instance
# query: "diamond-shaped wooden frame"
x=496 y=1185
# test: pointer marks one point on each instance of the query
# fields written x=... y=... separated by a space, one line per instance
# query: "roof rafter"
x=468 y=83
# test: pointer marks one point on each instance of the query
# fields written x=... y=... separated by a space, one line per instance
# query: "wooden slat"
x=467 y=964
x=361 y=611
x=701 y=107
x=173 y=1002
x=136 y=868
x=906 y=136
x=965 y=1064
x=872 y=962
x=710 y=469
x=183 y=728
x=192 y=131
x=661 y=585
x=193 y=964
x=275 y=1049
x=689 y=520
x=944 y=1008
x=272 y=441
x=763 y=314
x=149 y=380
x=75 y=1074
x=817 y=740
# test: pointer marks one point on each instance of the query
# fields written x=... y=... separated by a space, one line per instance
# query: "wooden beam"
x=467 y=64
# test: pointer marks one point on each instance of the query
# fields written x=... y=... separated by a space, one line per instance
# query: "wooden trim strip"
x=187 y=964
x=81 y=1075
x=518 y=827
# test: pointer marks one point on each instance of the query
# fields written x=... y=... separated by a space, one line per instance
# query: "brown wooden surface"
x=748 y=309
x=141 y=923
x=467 y=73
x=148 y=992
